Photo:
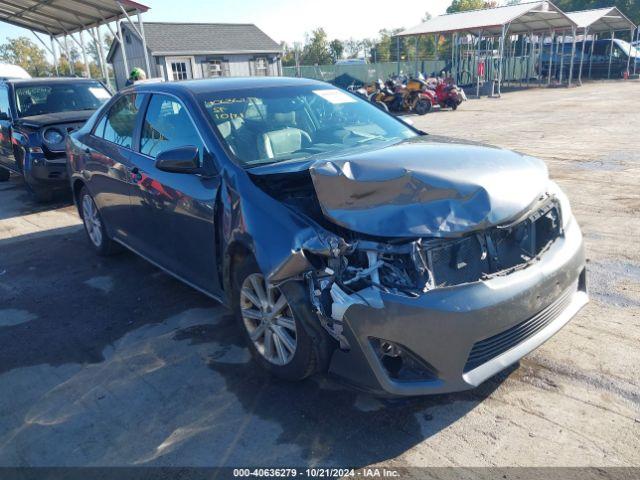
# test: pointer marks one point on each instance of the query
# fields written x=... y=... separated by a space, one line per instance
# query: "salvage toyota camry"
x=344 y=240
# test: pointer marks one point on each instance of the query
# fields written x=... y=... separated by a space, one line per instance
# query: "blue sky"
x=289 y=20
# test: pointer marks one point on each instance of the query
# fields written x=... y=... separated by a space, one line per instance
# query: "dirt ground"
x=112 y=362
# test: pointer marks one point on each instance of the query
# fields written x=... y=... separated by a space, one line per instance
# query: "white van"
x=8 y=71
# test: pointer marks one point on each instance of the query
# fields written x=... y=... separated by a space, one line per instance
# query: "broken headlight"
x=565 y=205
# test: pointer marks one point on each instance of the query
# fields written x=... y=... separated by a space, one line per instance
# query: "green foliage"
x=336 y=48
x=22 y=51
x=316 y=49
x=464 y=5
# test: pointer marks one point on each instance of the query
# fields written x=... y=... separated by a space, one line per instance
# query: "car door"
x=174 y=213
x=7 y=157
x=108 y=162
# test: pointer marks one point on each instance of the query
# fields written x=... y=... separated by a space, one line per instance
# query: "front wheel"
x=94 y=226
x=423 y=107
x=282 y=332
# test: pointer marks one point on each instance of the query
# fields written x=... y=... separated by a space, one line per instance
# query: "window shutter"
x=252 y=67
x=226 y=70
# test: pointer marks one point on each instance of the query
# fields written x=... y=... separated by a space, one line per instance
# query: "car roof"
x=215 y=85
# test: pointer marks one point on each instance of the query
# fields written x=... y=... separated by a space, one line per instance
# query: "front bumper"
x=41 y=172
x=516 y=312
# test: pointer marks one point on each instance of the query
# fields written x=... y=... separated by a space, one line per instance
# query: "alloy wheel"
x=268 y=319
x=92 y=220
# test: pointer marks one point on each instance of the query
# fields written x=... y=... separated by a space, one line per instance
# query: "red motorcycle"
x=448 y=94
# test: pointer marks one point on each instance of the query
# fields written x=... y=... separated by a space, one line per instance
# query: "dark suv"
x=35 y=117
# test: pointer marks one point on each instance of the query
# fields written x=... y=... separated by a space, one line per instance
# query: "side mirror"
x=179 y=160
x=4 y=116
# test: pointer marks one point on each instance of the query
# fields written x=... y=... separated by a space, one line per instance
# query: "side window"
x=118 y=124
x=99 y=130
x=4 y=101
x=167 y=125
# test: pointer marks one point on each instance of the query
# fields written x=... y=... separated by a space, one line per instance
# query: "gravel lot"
x=112 y=362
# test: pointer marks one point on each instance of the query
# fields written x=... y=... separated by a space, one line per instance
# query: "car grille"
x=490 y=348
x=495 y=250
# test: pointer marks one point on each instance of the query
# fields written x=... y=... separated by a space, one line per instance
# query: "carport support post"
x=72 y=69
x=561 y=50
x=573 y=54
x=123 y=47
x=630 y=50
x=552 y=34
x=53 y=52
x=613 y=34
x=540 y=52
x=593 y=44
x=584 y=41
x=635 y=60
x=500 y=67
x=398 y=55
x=144 y=43
x=416 y=55
x=84 y=55
x=103 y=61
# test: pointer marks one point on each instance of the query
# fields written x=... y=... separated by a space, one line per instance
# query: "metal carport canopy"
x=64 y=17
x=602 y=20
x=521 y=18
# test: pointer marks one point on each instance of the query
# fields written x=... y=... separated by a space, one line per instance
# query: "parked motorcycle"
x=399 y=94
x=421 y=98
x=448 y=94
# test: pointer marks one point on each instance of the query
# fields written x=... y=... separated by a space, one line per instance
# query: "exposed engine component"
x=360 y=271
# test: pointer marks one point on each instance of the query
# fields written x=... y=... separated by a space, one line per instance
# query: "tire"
x=423 y=107
x=313 y=346
x=94 y=226
x=4 y=175
x=382 y=106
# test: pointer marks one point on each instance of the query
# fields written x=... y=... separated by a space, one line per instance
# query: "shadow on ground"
x=117 y=363
x=17 y=201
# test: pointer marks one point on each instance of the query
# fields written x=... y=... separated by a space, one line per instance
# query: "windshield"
x=272 y=125
x=628 y=48
x=40 y=99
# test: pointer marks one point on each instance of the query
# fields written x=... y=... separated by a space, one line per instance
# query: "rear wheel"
x=94 y=226
x=4 y=174
x=282 y=332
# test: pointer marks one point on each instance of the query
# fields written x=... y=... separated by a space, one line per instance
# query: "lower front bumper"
x=43 y=173
x=468 y=333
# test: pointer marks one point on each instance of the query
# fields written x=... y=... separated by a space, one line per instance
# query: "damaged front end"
x=341 y=273
x=409 y=264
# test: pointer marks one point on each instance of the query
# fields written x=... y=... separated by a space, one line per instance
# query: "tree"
x=337 y=49
x=316 y=49
x=22 y=51
x=464 y=5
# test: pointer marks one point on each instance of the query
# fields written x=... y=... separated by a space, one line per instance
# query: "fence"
x=345 y=75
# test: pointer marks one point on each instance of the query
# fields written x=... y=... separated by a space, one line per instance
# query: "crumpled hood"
x=427 y=187
x=58 y=117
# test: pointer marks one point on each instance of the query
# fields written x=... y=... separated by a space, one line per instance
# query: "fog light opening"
x=400 y=363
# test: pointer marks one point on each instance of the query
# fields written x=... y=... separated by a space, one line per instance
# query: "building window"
x=179 y=70
x=215 y=68
x=261 y=65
